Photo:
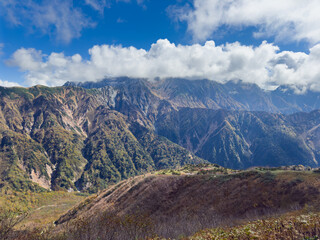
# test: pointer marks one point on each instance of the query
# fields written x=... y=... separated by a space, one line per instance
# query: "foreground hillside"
x=88 y=137
x=195 y=202
x=178 y=203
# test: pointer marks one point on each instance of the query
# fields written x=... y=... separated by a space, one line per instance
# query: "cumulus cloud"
x=8 y=84
x=264 y=65
x=293 y=20
x=54 y=17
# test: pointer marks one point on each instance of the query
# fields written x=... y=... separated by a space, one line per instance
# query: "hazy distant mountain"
x=233 y=95
x=87 y=135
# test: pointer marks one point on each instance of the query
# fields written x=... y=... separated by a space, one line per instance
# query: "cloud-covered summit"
x=264 y=65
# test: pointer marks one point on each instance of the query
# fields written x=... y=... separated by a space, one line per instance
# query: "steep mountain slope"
x=70 y=138
x=239 y=139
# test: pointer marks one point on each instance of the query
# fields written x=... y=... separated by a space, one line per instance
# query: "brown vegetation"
x=296 y=225
x=179 y=205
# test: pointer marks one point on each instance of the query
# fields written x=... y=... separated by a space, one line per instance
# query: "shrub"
x=10 y=218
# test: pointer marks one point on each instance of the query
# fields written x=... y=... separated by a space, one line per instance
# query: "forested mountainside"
x=87 y=136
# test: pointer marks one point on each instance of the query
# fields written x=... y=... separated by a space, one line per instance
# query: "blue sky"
x=266 y=42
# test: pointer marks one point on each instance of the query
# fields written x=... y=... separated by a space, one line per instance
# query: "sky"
x=267 y=42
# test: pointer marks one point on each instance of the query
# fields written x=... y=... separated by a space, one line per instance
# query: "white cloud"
x=98 y=5
x=120 y=20
x=58 y=18
x=286 y=20
x=54 y=17
x=264 y=65
x=8 y=84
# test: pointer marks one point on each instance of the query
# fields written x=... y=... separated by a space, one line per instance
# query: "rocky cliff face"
x=86 y=136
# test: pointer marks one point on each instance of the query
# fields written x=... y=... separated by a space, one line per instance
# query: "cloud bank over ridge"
x=264 y=65
x=4 y=83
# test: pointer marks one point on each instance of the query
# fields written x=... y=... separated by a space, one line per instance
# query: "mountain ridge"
x=232 y=95
x=86 y=136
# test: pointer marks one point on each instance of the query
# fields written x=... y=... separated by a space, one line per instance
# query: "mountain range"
x=86 y=136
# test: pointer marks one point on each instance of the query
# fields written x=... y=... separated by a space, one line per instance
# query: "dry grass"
x=296 y=225
x=42 y=208
x=180 y=205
